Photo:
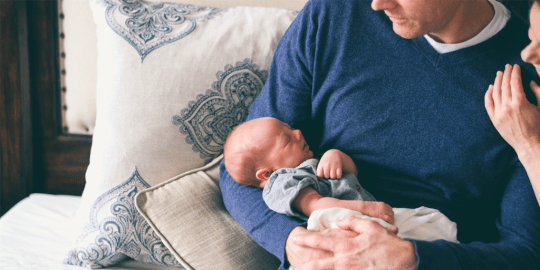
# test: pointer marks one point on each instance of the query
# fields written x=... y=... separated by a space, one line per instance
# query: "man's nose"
x=382 y=4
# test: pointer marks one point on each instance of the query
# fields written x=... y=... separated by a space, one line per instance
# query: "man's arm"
x=517 y=248
x=285 y=96
x=268 y=228
x=519 y=229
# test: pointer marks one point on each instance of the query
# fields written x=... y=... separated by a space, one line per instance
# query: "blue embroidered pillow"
x=173 y=80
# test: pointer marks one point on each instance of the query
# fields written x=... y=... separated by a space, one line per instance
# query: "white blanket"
x=421 y=223
x=37 y=233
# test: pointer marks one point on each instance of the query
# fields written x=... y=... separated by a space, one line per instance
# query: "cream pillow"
x=173 y=80
x=188 y=214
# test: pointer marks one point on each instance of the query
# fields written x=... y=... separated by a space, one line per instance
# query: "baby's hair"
x=240 y=161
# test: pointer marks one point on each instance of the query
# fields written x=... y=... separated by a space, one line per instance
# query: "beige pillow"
x=187 y=212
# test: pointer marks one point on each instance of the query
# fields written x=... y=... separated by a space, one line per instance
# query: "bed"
x=38 y=234
x=103 y=132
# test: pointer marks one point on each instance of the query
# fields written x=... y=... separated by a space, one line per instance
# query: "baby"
x=262 y=152
x=267 y=153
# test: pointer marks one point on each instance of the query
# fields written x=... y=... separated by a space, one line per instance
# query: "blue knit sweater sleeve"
x=268 y=228
x=518 y=227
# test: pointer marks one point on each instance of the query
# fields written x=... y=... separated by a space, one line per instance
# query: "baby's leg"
x=326 y=218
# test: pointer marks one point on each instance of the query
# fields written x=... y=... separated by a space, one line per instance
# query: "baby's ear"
x=263 y=174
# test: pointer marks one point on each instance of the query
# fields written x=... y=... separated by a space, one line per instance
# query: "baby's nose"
x=298 y=134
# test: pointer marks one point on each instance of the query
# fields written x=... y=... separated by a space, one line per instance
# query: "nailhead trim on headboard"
x=61 y=63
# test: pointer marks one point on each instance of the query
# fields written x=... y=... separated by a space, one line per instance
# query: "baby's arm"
x=309 y=200
x=334 y=164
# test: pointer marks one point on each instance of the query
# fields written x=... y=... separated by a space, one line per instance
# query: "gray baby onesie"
x=284 y=185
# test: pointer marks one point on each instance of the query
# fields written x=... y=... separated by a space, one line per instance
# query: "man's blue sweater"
x=415 y=124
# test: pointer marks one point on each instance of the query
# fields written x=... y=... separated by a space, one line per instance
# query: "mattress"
x=36 y=234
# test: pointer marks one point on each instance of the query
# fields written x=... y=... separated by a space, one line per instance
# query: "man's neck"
x=470 y=20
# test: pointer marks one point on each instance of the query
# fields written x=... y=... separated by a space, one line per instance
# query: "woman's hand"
x=516 y=119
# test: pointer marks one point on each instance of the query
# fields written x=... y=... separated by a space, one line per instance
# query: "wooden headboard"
x=36 y=154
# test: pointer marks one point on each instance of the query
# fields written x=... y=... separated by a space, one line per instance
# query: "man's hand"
x=297 y=255
x=373 y=247
x=334 y=163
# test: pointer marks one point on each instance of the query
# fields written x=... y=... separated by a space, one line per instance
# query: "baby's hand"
x=378 y=210
x=330 y=165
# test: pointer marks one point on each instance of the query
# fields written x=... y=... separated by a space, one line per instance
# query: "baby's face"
x=285 y=147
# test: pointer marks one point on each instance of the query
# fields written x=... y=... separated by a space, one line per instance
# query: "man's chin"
x=405 y=32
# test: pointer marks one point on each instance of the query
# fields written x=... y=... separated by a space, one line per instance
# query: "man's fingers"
x=506 y=89
x=315 y=241
x=322 y=264
x=358 y=225
x=516 y=83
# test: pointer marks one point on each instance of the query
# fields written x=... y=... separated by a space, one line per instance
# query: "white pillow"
x=173 y=80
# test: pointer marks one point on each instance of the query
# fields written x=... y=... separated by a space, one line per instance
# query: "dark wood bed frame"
x=36 y=155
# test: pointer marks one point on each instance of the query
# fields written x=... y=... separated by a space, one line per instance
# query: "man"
x=408 y=109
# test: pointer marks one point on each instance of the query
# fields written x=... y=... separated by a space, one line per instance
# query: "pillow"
x=173 y=80
x=201 y=233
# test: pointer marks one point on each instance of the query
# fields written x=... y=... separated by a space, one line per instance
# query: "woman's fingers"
x=497 y=89
x=516 y=84
x=488 y=101
x=506 y=88
x=536 y=91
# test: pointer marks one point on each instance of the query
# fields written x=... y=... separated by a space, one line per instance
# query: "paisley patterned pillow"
x=173 y=80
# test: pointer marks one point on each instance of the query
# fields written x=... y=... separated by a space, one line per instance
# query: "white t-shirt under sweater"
x=501 y=17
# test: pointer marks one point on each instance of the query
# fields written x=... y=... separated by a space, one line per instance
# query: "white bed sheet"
x=36 y=234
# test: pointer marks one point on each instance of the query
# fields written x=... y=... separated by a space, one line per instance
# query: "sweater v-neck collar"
x=438 y=60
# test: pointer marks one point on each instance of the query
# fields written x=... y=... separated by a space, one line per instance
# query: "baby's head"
x=255 y=149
